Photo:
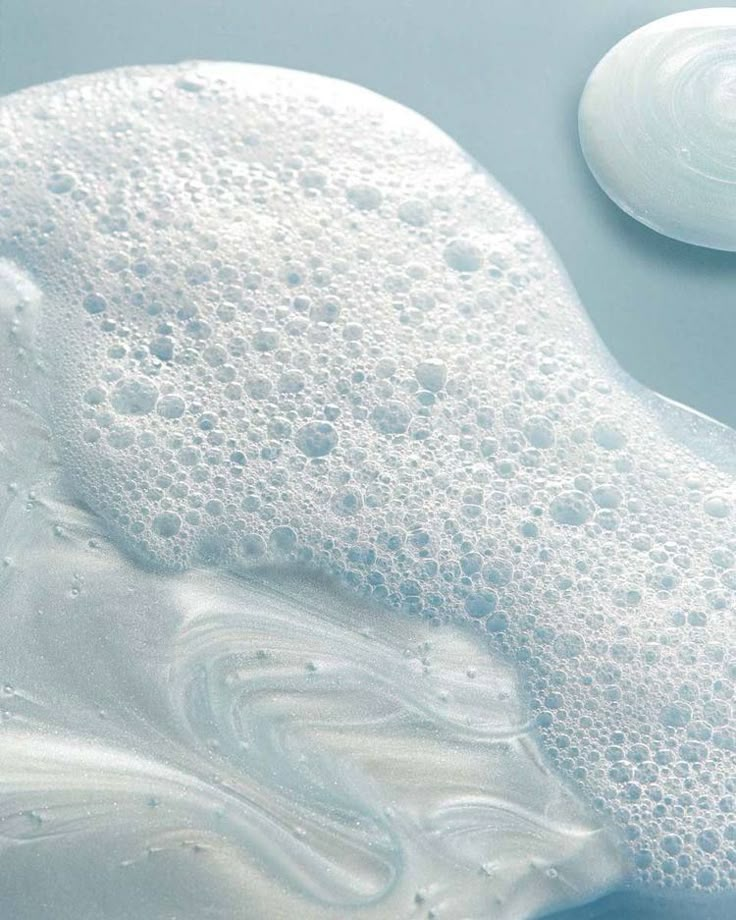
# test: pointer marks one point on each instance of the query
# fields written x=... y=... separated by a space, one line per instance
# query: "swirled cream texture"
x=236 y=747
x=658 y=126
x=337 y=550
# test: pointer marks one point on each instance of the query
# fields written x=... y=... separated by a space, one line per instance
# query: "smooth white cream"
x=658 y=126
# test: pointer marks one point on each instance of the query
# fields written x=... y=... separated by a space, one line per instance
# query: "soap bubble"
x=316 y=439
x=572 y=508
x=134 y=397
x=167 y=524
x=463 y=256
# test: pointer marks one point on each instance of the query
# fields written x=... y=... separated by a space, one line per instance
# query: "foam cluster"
x=285 y=320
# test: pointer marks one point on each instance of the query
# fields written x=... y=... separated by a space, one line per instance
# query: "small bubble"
x=312 y=179
x=198 y=273
x=190 y=84
x=392 y=417
x=431 y=374
x=316 y=439
x=253 y=546
x=171 y=406
x=568 y=645
x=134 y=397
x=414 y=212
x=463 y=256
x=94 y=303
x=282 y=540
x=364 y=197
x=167 y=524
x=480 y=604
x=676 y=715
x=571 y=508
x=608 y=435
x=717 y=506
x=60 y=183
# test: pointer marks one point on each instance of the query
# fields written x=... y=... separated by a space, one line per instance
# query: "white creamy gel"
x=344 y=572
x=658 y=126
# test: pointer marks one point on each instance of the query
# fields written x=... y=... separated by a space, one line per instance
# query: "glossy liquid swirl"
x=250 y=748
x=658 y=126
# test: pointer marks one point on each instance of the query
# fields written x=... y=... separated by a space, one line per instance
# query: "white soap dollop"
x=280 y=322
x=657 y=126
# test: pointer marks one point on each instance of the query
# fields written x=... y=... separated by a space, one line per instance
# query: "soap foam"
x=285 y=321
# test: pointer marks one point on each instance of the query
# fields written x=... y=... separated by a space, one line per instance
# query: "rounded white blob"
x=657 y=126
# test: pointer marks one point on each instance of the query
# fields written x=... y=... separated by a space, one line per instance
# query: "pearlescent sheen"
x=268 y=328
x=657 y=125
